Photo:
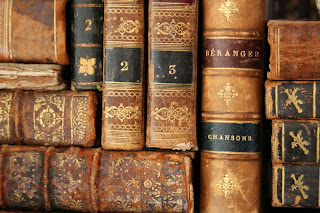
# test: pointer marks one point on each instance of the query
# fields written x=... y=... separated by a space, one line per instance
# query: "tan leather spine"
x=232 y=103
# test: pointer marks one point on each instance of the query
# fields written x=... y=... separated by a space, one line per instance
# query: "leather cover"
x=32 y=76
x=172 y=73
x=123 y=87
x=92 y=180
x=292 y=99
x=48 y=118
x=294 y=50
x=232 y=97
x=33 y=31
x=86 y=40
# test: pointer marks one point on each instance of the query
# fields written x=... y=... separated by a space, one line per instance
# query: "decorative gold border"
x=283 y=182
x=276 y=99
x=317 y=145
x=10 y=30
x=282 y=142
x=231 y=37
x=314 y=100
x=233 y=153
x=55 y=28
x=277 y=52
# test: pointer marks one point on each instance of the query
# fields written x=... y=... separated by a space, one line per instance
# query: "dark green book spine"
x=86 y=37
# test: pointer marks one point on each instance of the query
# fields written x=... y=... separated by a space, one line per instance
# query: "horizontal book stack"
x=292 y=94
x=51 y=155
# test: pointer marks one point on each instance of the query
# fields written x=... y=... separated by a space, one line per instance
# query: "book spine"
x=123 y=85
x=63 y=118
x=291 y=57
x=92 y=180
x=292 y=100
x=295 y=185
x=232 y=82
x=172 y=74
x=86 y=40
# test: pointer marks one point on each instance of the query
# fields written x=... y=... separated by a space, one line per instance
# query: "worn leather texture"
x=231 y=105
x=92 y=180
x=62 y=118
x=172 y=73
x=86 y=57
x=295 y=185
x=33 y=31
x=123 y=87
x=294 y=49
x=32 y=76
x=295 y=141
x=292 y=99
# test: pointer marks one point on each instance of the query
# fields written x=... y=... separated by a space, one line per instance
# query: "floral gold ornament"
x=5 y=103
x=128 y=26
x=173 y=29
x=228 y=8
x=48 y=117
x=293 y=99
x=122 y=112
x=227 y=93
x=298 y=141
x=172 y=114
x=298 y=185
x=87 y=65
x=226 y=184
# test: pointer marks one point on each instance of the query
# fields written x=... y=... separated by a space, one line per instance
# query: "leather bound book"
x=172 y=73
x=86 y=41
x=32 y=76
x=123 y=85
x=62 y=118
x=294 y=50
x=33 y=31
x=292 y=99
x=92 y=180
x=232 y=97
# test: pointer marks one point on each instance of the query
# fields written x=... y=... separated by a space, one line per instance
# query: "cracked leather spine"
x=231 y=111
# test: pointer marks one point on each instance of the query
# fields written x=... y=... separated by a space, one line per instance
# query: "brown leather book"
x=172 y=73
x=123 y=84
x=92 y=180
x=232 y=97
x=292 y=99
x=33 y=31
x=294 y=49
x=32 y=76
x=62 y=118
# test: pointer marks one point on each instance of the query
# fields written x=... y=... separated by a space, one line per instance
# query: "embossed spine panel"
x=123 y=86
x=294 y=50
x=232 y=83
x=295 y=185
x=82 y=180
x=172 y=49
x=87 y=38
x=292 y=99
x=33 y=31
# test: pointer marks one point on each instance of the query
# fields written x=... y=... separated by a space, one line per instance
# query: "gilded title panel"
x=79 y=117
x=5 y=106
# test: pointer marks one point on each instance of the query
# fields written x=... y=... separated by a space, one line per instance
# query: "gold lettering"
x=232 y=137
x=227 y=53
x=89 y=22
x=210 y=136
x=256 y=54
x=244 y=138
x=235 y=53
x=212 y=52
x=124 y=66
x=243 y=53
x=238 y=138
x=172 y=69
x=207 y=53
x=221 y=137
x=219 y=53
x=226 y=137
x=215 y=137
x=250 y=54
x=249 y=138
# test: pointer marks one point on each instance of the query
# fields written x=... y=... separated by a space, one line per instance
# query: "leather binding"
x=292 y=99
x=232 y=97
x=294 y=50
x=172 y=73
x=92 y=180
x=32 y=76
x=62 y=118
x=86 y=40
x=123 y=85
x=33 y=31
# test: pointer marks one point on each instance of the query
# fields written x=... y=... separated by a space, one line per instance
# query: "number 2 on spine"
x=89 y=22
x=124 y=65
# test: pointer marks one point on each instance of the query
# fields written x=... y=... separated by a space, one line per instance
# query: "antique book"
x=123 y=83
x=32 y=76
x=292 y=99
x=172 y=74
x=86 y=40
x=231 y=111
x=61 y=118
x=33 y=31
x=92 y=180
x=294 y=49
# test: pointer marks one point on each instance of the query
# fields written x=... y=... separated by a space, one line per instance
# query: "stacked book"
x=51 y=157
x=292 y=102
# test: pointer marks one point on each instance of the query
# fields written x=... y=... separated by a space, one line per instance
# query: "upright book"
x=86 y=40
x=232 y=83
x=92 y=180
x=123 y=83
x=172 y=74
